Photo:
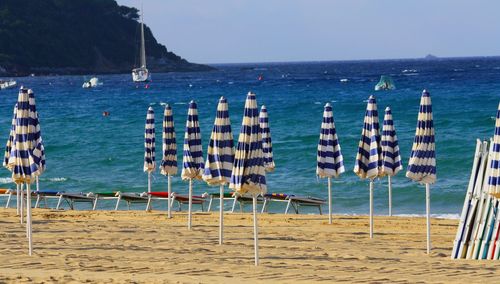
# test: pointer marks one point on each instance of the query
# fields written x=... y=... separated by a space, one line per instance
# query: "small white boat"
x=7 y=84
x=344 y=80
x=141 y=74
x=93 y=82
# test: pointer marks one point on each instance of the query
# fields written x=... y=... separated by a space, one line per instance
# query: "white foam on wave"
x=5 y=180
x=317 y=103
x=180 y=103
x=441 y=216
x=57 y=179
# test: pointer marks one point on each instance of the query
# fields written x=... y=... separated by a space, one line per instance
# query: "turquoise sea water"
x=88 y=152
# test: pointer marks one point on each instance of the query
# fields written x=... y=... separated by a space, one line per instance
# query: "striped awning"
x=330 y=162
x=169 y=160
x=249 y=174
x=192 y=158
x=220 y=152
x=149 y=142
x=27 y=158
x=368 y=159
x=267 y=145
x=391 y=158
x=422 y=164
x=494 y=176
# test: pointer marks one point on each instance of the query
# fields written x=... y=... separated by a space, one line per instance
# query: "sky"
x=234 y=31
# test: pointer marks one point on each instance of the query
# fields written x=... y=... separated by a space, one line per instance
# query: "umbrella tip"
x=425 y=92
x=263 y=107
x=388 y=109
x=150 y=109
x=328 y=105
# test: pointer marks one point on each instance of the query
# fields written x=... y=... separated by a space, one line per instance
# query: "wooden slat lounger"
x=103 y=195
x=73 y=198
x=227 y=196
x=131 y=197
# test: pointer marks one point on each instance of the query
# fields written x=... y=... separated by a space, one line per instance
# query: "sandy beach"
x=145 y=247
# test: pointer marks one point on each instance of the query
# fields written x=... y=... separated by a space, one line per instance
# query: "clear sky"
x=224 y=31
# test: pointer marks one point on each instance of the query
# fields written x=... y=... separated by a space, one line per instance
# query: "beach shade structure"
x=220 y=157
x=168 y=166
x=330 y=163
x=422 y=164
x=26 y=152
x=494 y=176
x=368 y=164
x=267 y=145
x=149 y=145
x=37 y=137
x=8 y=148
x=391 y=158
x=249 y=174
x=192 y=157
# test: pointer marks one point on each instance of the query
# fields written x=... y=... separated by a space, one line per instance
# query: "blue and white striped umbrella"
x=169 y=161
x=149 y=145
x=10 y=140
x=220 y=152
x=220 y=157
x=368 y=159
x=330 y=162
x=391 y=159
x=249 y=174
x=168 y=166
x=494 y=177
x=26 y=159
x=267 y=145
x=192 y=158
x=422 y=164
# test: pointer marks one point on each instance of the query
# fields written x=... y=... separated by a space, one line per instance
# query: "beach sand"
x=146 y=247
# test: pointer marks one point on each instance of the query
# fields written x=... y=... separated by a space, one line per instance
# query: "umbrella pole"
x=18 y=199
x=37 y=184
x=390 y=195
x=329 y=201
x=371 y=209
x=169 y=196
x=22 y=204
x=255 y=231
x=190 y=202
x=149 y=182
x=428 y=207
x=221 y=215
x=28 y=225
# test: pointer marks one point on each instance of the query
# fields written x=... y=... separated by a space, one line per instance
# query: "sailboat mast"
x=143 y=47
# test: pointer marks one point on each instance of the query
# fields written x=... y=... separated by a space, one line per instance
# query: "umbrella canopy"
x=267 y=145
x=169 y=161
x=391 y=158
x=422 y=164
x=330 y=162
x=249 y=174
x=192 y=159
x=368 y=159
x=27 y=156
x=10 y=140
x=494 y=177
x=220 y=152
x=149 y=142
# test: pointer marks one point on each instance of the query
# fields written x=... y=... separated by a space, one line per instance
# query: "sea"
x=89 y=152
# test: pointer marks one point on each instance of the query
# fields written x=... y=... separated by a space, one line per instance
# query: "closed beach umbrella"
x=422 y=164
x=8 y=148
x=192 y=157
x=149 y=145
x=168 y=165
x=330 y=163
x=249 y=174
x=220 y=157
x=391 y=159
x=368 y=159
x=494 y=177
x=26 y=151
x=267 y=145
x=37 y=137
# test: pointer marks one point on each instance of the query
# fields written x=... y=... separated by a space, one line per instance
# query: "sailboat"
x=141 y=74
